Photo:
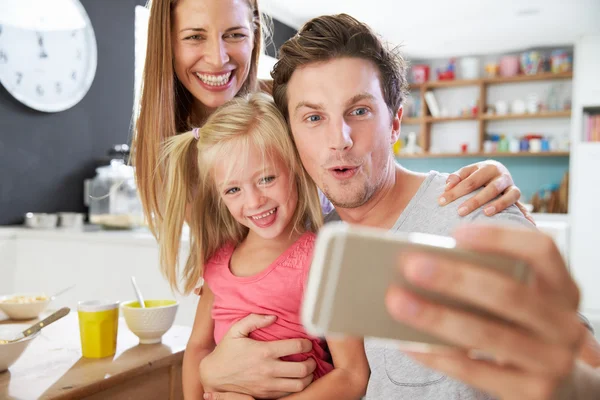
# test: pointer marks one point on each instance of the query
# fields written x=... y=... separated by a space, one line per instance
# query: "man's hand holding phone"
x=538 y=334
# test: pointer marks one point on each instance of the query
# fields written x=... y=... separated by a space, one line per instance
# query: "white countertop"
x=88 y=233
x=144 y=237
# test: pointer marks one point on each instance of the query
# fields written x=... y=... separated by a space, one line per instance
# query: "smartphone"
x=352 y=268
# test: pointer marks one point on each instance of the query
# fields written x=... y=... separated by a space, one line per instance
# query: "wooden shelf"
x=452 y=83
x=451 y=119
x=547 y=114
x=548 y=76
x=485 y=155
x=412 y=121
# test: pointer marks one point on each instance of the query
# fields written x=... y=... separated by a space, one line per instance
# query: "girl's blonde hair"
x=252 y=120
x=166 y=105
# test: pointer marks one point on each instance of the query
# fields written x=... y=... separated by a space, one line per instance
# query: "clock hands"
x=41 y=43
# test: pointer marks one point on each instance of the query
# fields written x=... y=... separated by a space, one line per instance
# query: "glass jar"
x=113 y=198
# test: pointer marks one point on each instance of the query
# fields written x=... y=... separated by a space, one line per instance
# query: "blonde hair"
x=252 y=120
x=166 y=105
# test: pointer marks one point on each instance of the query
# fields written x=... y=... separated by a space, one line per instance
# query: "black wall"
x=281 y=33
x=44 y=158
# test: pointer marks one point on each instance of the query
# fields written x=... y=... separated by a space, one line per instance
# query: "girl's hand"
x=495 y=180
x=227 y=396
x=242 y=365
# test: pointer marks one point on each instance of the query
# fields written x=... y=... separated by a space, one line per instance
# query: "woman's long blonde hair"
x=252 y=120
x=166 y=105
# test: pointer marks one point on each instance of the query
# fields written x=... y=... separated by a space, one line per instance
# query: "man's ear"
x=396 y=126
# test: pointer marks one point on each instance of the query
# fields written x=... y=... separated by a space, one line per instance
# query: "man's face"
x=342 y=128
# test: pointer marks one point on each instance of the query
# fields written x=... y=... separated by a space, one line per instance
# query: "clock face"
x=48 y=65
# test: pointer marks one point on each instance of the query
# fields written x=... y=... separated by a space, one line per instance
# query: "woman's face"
x=212 y=48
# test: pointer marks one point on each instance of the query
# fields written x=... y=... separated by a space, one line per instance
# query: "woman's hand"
x=535 y=353
x=242 y=365
x=495 y=180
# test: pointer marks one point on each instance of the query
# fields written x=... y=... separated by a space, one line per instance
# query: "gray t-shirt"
x=393 y=374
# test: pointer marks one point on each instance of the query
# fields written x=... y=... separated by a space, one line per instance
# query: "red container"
x=420 y=73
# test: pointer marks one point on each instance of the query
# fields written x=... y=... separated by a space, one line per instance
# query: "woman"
x=200 y=54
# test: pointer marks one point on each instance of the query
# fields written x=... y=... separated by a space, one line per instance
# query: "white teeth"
x=214 y=80
x=264 y=215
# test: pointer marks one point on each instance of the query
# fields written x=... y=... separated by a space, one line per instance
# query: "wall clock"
x=48 y=52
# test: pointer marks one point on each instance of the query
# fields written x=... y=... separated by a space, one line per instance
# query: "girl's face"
x=259 y=194
x=212 y=48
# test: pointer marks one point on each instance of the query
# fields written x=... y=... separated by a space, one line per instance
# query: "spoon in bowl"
x=55 y=316
x=55 y=295
x=138 y=293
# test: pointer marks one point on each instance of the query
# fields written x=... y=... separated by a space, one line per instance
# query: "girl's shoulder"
x=221 y=256
x=300 y=255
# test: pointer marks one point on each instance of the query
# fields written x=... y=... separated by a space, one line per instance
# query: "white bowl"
x=28 y=310
x=150 y=323
x=10 y=352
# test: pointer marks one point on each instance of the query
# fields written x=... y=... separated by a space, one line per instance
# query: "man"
x=341 y=91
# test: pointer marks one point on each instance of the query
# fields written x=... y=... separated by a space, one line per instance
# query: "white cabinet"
x=587 y=68
x=584 y=190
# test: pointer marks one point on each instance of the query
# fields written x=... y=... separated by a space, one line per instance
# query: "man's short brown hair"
x=335 y=36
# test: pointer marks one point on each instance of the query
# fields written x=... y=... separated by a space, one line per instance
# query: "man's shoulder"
x=425 y=214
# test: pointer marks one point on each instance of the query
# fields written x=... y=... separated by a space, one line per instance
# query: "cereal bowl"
x=24 y=305
x=11 y=352
x=150 y=323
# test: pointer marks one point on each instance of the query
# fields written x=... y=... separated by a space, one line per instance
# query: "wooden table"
x=52 y=366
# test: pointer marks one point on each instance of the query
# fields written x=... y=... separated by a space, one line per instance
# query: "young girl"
x=253 y=221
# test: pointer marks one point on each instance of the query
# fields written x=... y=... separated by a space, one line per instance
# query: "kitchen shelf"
x=412 y=121
x=485 y=155
x=452 y=83
x=546 y=114
x=450 y=119
x=426 y=120
x=548 y=76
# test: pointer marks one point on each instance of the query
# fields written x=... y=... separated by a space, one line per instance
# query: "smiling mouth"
x=215 y=80
x=263 y=215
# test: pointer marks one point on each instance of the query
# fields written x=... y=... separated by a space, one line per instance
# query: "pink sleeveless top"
x=277 y=290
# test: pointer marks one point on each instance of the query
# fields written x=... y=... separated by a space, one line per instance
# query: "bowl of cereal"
x=24 y=305
x=11 y=351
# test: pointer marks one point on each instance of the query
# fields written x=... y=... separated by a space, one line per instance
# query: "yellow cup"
x=98 y=327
